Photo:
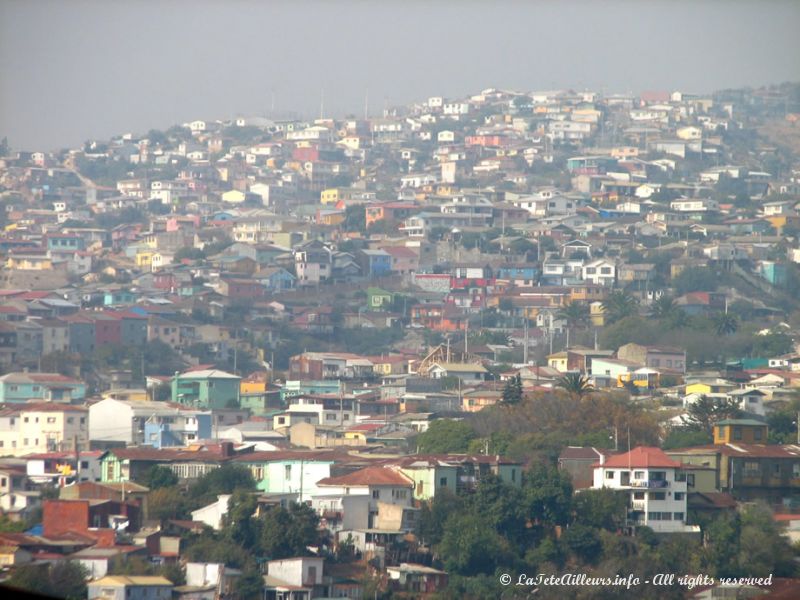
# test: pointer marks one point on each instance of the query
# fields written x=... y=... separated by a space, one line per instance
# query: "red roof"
x=643 y=457
x=369 y=476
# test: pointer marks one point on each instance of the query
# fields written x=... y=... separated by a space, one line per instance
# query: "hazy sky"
x=75 y=70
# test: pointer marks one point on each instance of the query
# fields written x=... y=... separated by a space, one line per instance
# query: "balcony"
x=638 y=504
x=649 y=483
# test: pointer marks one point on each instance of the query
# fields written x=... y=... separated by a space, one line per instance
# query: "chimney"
x=226 y=448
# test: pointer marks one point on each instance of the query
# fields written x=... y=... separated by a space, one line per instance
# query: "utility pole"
x=77 y=458
x=525 y=338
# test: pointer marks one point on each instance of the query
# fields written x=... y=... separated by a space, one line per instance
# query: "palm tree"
x=618 y=305
x=664 y=307
x=576 y=314
x=726 y=324
x=575 y=384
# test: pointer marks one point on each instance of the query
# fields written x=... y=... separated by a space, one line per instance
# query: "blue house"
x=65 y=242
x=374 y=263
x=526 y=272
x=117 y=297
x=773 y=272
x=177 y=431
x=276 y=279
x=50 y=387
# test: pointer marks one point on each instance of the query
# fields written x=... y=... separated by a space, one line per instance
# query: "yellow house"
x=740 y=431
x=558 y=361
x=233 y=196
x=709 y=387
x=144 y=259
x=30 y=262
x=334 y=195
x=331 y=217
x=255 y=384
x=357 y=436
x=596 y=314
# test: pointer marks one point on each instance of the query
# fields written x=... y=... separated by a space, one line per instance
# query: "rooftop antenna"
x=321 y=102
x=366 y=105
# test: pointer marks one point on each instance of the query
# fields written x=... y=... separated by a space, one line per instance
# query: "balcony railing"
x=653 y=483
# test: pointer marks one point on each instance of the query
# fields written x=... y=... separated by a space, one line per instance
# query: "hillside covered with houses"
x=396 y=356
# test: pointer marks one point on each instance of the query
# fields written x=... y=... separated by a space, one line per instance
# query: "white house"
x=381 y=484
x=212 y=514
x=293 y=578
x=599 y=272
x=654 y=484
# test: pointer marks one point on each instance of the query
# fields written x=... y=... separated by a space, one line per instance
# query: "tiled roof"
x=643 y=457
x=369 y=476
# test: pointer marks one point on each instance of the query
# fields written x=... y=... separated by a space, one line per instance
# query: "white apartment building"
x=655 y=485
x=39 y=427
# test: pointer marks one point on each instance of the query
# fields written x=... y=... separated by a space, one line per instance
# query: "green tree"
x=584 y=542
x=167 y=503
x=695 y=279
x=355 y=218
x=664 y=307
x=502 y=505
x=704 y=412
x=211 y=547
x=65 y=579
x=289 y=532
x=445 y=436
x=434 y=515
x=548 y=495
x=685 y=437
x=68 y=580
x=576 y=314
x=470 y=546
x=618 y=305
x=725 y=323
x=512 y=392
x=602 y=509
x=240 y=525
x=575 y=384
x=250 y=585
x=159 y=477
x=223 y=480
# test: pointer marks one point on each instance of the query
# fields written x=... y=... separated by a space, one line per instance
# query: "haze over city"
x=80 y=70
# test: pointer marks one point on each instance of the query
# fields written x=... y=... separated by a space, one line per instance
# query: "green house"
x=378 y=299
x=206 y=389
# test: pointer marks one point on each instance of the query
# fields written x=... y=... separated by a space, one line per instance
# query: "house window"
x=376 y=494
x=70 y=420
x=659 y=496
x=638 y=495
x=751 y=468
x=51 y=419
x=737 y=433
x=638 y=474
x=795 y=469
x=679 y=495
x=443 y=481
x=678 y=516
x=83 y=420
x=287 y=471
x=609 y=474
